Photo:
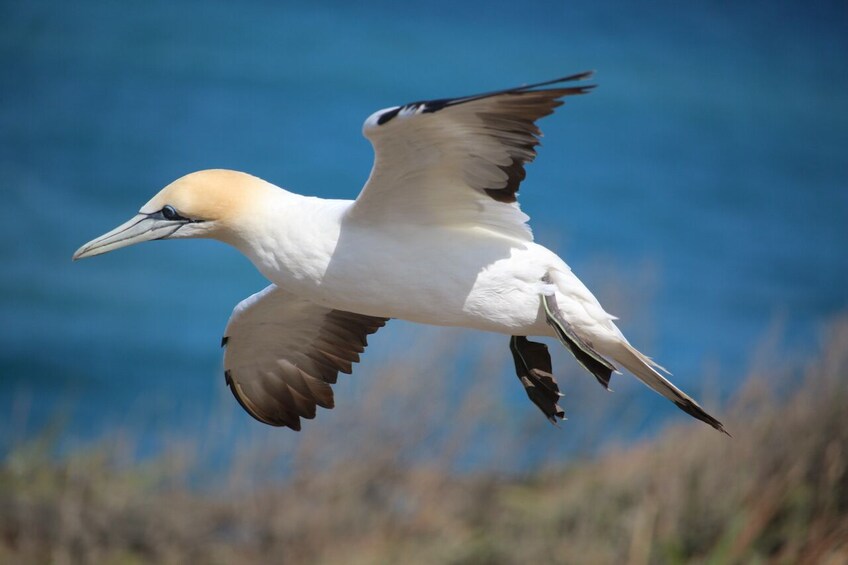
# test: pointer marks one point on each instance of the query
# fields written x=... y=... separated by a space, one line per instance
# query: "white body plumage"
x=467 y=276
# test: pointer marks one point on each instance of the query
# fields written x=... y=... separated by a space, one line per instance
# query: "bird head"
x=203 y=204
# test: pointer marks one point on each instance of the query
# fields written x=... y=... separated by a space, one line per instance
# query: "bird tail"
x=647 y=371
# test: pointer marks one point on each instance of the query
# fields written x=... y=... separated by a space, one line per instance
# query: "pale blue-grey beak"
x=143 y=227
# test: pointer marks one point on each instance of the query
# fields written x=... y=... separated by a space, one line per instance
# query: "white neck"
x=290 y=238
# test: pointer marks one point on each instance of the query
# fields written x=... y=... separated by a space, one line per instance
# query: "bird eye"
x=170 y=213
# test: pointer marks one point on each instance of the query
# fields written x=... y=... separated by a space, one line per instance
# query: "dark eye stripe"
x=170 y=213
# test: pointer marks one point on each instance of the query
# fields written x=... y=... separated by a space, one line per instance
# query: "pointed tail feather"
x=645 y=370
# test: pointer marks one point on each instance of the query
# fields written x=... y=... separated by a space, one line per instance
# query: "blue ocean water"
x=702 y=189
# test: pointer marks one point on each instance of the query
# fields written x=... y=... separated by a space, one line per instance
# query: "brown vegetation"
x=777 y=492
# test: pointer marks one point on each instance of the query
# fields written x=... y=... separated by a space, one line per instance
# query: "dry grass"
x=776 y=493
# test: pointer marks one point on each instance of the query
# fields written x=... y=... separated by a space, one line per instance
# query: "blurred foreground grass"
x=775 y=493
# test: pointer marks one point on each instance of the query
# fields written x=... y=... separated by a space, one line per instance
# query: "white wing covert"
x=457 y=161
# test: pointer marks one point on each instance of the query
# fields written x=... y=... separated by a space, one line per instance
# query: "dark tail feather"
x=643 y=368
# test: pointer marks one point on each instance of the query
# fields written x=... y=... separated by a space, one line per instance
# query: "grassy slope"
x=777 y=492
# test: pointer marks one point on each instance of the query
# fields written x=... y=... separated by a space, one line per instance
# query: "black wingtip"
x=585 y=75
x=697 y=412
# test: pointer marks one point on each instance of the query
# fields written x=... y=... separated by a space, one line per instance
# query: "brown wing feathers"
x=508 y=116
x=290 y=387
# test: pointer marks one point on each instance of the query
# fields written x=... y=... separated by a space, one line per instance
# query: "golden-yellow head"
x=202 y=204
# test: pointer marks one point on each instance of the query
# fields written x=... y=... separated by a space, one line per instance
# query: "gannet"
x=436 y=236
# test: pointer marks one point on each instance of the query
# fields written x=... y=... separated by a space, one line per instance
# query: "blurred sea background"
x=700 y=191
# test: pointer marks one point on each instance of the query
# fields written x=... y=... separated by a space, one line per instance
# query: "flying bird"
x=436 y=236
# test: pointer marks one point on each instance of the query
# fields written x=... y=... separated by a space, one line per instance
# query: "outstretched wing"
x=283 y=353
x=457 y=161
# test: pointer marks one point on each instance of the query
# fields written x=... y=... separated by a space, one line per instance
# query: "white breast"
x=457 y=276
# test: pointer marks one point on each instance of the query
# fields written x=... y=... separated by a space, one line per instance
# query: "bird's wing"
x=457 y=161
x=283 y=353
